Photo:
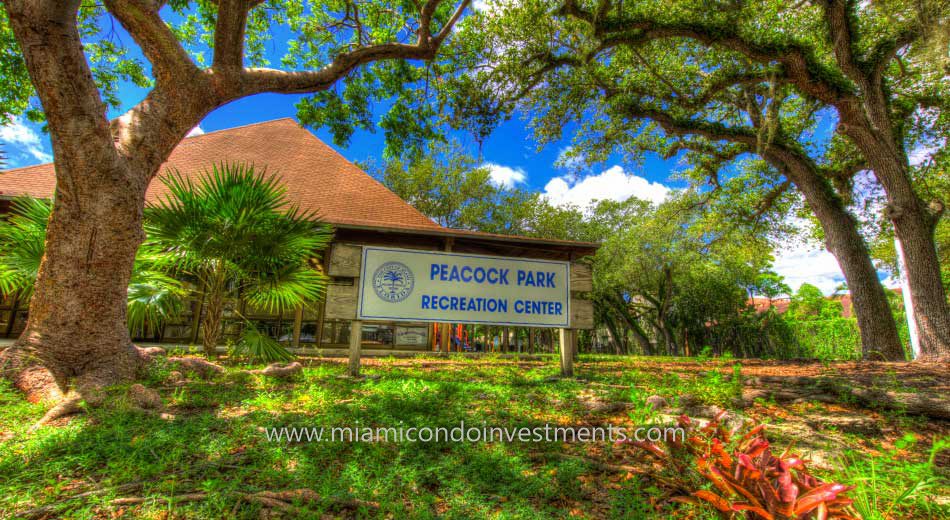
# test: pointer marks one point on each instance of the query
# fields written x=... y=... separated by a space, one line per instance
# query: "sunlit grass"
x=215 y=443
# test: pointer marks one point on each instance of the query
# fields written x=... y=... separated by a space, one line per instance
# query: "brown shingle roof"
x=316 y=176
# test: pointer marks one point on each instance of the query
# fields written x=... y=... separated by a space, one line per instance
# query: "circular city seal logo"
x=393 y=282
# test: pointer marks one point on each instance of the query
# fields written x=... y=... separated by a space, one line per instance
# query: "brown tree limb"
x=258 y=80
x=842 y=31
x=170 y=62
x=447 y=28
x=49 y=29
x=229 y=28
x=881 y=55
x=801 y=65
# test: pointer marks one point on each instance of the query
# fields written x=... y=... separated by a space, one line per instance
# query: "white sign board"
x=407 y=285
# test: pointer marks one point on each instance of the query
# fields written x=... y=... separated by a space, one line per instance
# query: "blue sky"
x=510 y=152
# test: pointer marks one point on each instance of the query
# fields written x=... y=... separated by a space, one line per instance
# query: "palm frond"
x=288 y=288
x=256 y=346
x=22 y=244
x=238 y=218
x=153 y=299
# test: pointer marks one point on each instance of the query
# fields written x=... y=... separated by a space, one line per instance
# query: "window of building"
x=336 y=332
x=378 y=334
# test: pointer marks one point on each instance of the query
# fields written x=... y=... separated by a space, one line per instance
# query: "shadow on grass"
x=216 y=445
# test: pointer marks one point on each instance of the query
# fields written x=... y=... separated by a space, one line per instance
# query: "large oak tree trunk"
x=76 y=327
x=914 y=224
x=76 y=334
x=879 y=338
x=77 y=318
x=914 y=227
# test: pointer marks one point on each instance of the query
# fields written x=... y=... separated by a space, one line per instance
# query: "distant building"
x=781 y=304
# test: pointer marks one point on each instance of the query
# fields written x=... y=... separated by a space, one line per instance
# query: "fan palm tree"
x=153 y=298
x=234 y=231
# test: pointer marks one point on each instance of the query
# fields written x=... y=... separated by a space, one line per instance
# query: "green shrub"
x=827 y=339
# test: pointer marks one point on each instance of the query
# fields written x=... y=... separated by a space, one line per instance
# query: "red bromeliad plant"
x=747 y=479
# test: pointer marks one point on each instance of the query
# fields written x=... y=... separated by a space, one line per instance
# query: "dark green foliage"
x=235 y=231
x=153 y=299
x=809 y=303
x=22 y=242
x=826 y=339
x=238 y=220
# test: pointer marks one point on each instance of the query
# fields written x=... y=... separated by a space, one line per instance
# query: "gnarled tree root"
x=203 y=369
x=280 y=500
x=786 y=389
x=70 y=405
x=283 y=500
x=174 y=499
x=39 y=384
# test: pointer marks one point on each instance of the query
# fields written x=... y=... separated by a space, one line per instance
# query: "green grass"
x=215 y=443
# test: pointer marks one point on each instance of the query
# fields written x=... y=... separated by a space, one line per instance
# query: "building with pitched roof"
x=362 y=210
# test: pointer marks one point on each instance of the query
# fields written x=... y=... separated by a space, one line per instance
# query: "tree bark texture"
x=76 y=326
x=914 y=224
x=879 y=338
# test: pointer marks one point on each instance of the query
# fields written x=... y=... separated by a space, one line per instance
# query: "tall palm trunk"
x=215 y=289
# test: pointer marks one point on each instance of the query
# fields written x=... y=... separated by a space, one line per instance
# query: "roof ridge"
x=257 y=123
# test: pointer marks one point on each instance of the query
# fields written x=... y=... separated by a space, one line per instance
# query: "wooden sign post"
x=567 y=352
x=356 y=344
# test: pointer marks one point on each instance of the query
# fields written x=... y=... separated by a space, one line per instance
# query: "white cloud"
x=23 y=145
x=803 y=264
x=195 y=131
x=613 y=183
x=505 y=176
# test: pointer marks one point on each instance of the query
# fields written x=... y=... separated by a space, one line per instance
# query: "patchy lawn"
x=207 y=455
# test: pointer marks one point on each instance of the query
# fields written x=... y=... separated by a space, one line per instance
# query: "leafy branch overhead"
x=201 y=55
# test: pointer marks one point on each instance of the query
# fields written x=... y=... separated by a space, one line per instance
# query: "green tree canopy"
x=449 y=186
x=817 y=90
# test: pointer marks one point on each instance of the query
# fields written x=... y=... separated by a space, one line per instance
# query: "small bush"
x=256 y=346
x=739 y=474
